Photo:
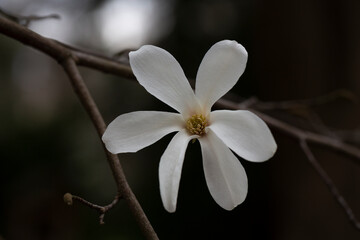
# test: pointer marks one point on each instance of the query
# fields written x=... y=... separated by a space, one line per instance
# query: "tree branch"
x=108 y=65
x=68 y=60
x=293 y=104
x=304 y=137
x=99 y=62
x=298 y=133
x=118 y=174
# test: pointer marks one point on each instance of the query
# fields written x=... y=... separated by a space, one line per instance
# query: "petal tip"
x=234 y=205
x=272 y=151
x=105 y=140
x=170 y=209
x=234 y=44
x=131 y=53
x=139 y=51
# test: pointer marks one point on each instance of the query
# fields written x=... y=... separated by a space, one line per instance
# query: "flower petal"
x=133 y=131
x=170 y=167
x=225 y=176
x=162 y=76
x=219 y=71
x=245 y=133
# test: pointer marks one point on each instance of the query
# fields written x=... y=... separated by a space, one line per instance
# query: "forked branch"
x=69 y=199
x=67 y=58
x=70 y=58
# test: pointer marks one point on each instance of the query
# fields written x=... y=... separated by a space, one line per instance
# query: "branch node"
x=68 y=199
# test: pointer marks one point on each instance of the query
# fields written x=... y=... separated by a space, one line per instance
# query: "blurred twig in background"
x=26 y=20
x=333 y=189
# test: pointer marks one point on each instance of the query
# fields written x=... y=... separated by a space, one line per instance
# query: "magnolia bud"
x=68 y=199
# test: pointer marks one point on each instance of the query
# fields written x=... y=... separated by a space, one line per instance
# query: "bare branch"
x=326 y=141
x=317 y=101
x=122 y=184
x=70 y=58
x=330 y=184
x=60 y=51
x=69 y=198
x=99 y=62
x=67 y=58
x=108 y=65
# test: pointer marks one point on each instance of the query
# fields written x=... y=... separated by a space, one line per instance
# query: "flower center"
x=196 y=124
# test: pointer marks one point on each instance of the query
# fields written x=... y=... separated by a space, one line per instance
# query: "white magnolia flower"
x=218 y=131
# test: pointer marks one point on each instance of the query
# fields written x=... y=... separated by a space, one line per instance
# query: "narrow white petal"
x=219 y=71
x=170 y=168
x=245 y=133
x=133 y=131
x=225 y=176
x=162 y=76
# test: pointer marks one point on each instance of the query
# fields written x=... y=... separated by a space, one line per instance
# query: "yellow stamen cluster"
x=196 y=124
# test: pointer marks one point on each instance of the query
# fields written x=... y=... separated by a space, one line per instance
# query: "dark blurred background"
x=297 y=49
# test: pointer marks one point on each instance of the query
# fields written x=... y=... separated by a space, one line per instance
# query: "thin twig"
x=330 y=184
x=304 y=137
x=69 y=198
x=317 y=101
x=298 y=133
x=122 y=184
